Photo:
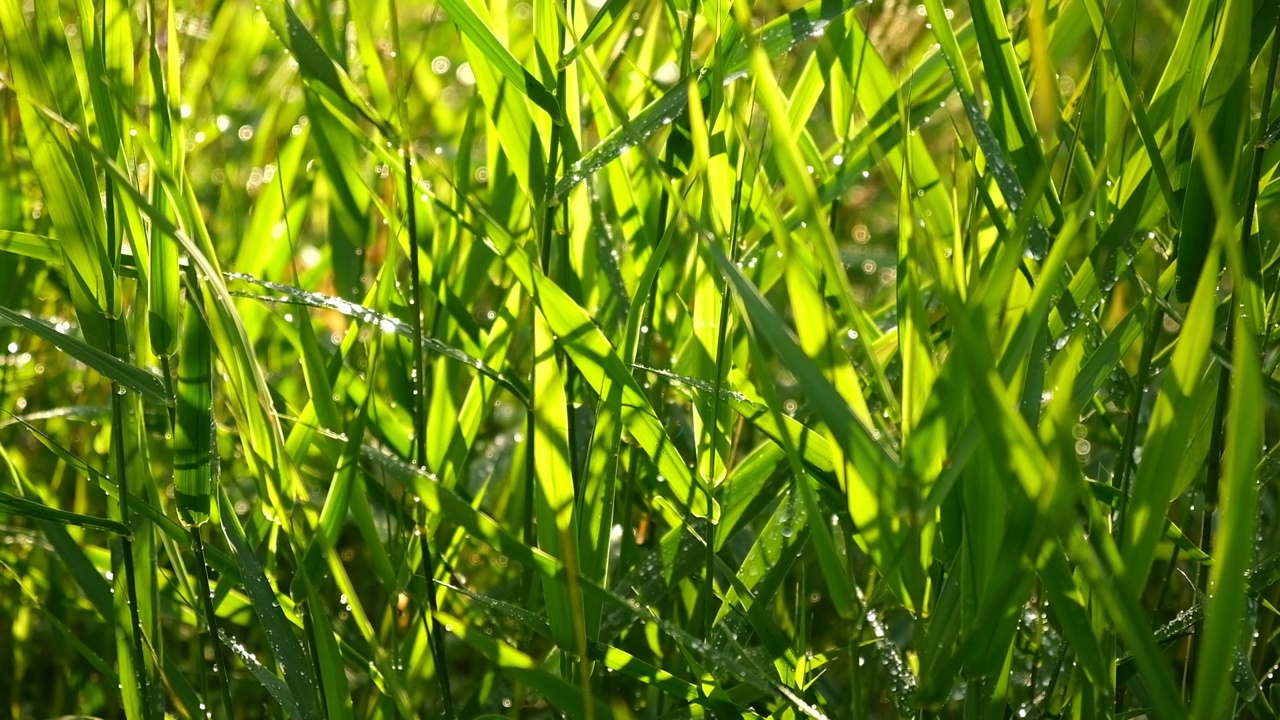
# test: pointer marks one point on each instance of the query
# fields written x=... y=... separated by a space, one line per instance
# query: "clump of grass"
x=638 y=360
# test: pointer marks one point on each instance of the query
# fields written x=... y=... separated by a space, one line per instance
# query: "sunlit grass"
x=628 y=360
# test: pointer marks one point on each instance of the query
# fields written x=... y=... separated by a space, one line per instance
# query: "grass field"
x=685 y=359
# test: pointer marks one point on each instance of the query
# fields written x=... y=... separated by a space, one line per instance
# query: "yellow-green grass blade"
x=554 y=502
x=32 y=245
x=247 y=383
x=613 y=657
x=1225 y=628
x=1132 y=96
x=164 y=289
x=45 y=78
x=818 y=336
x=511 y=124
x=316 y=64
x=869 y=480
x=1053 y=492
x=776 y=38
x=471 y=25
x=328 y=657
x=600 y=23
x=601 y=367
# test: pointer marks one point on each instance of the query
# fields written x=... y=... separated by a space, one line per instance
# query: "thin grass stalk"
x=1140 y=383
x=561 y=274
x=1253 y=250
x=220 y=667
x=122 y=488
x=432 y=625
x=721 y=341
x=117 y=443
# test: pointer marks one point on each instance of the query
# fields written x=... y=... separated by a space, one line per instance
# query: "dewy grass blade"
x=1236 y=488
x=134 y=378
x=387 y=324
x=613 y=657
x=40 y=511
x=1167 y=434
x=277 y=688
x=418 y=380
x=522 y=668
x=1225 y=109
x=1018 y=129
x=855 y=439
x=1000 y=167
x=289 y=653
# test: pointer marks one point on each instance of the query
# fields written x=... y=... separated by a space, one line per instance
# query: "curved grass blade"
x=41 y=70
x=442 y=501
x=1000 y=167
x=812 y=446
x=1225 y=109
x=288 y=651
x=603 y=370
x=1168 y=433
x=1005 y=79
x=522 y=668
x=37 y=247
x=272 y=684
x=134 y=378
x=40 y=511
x=497 y=54
x=72 y=461
x=316 y=63
x=877 y=466
x=604 y=18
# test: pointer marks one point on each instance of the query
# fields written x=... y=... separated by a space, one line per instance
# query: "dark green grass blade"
x=276 y=687
x=134 y=378
x=285 y=645
x=40 y=511
x=193 y=427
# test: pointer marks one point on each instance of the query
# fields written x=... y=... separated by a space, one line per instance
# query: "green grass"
x=639 y=360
